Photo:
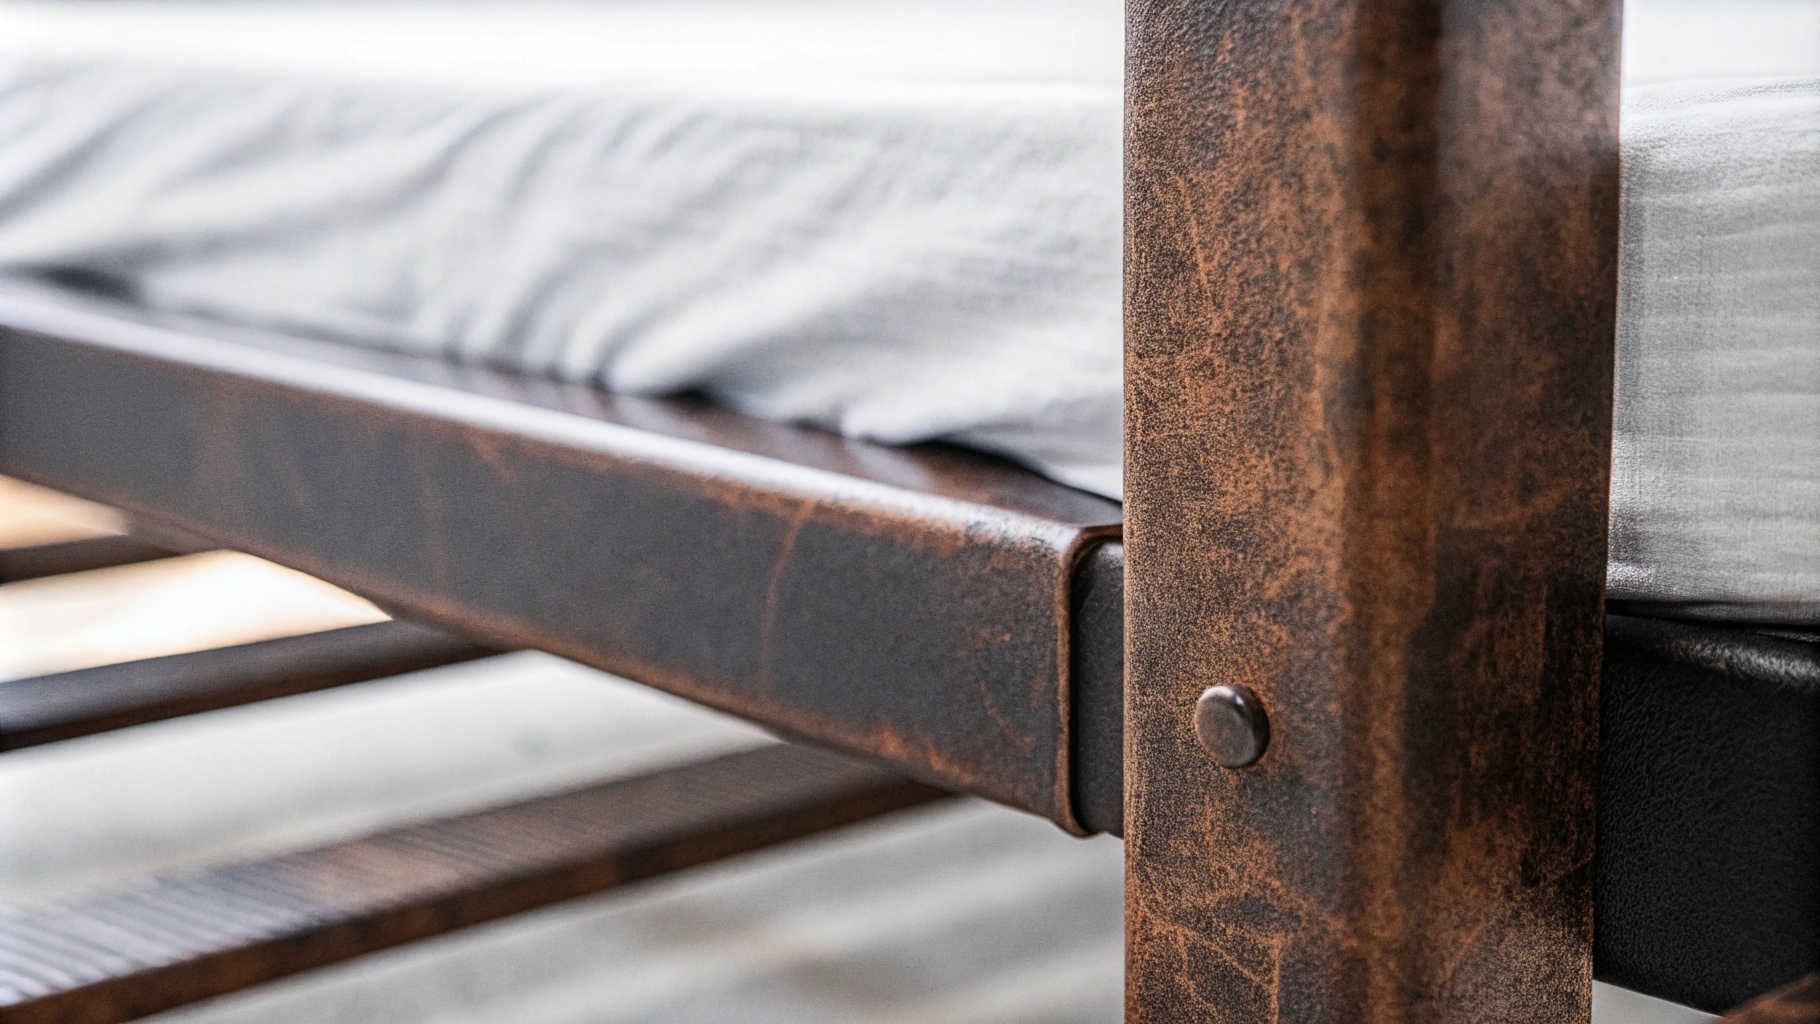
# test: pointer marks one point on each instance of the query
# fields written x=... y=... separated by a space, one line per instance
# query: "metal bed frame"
x=1334 y=669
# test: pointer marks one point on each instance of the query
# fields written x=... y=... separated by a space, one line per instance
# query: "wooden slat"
x=1798 y=1003
x=125 y=954
x=39 y=560
x=65 y=705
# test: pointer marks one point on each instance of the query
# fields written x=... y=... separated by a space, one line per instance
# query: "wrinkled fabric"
x=1716 y=461
x=896 y=259
x=903 y=230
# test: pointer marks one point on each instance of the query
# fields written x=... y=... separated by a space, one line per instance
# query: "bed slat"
x=121 y=955
x=40 y=560
x=64 y=705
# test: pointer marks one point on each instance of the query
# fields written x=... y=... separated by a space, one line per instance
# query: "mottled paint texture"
x=1370 y=294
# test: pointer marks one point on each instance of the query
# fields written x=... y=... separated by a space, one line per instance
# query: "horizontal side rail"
x=1098 y=681
x=125 y=954
x=55 y=559
x=65 y=705
x=1707 y=874
x=908 y=605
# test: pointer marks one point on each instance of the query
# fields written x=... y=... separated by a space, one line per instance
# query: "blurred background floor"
x=955 y=912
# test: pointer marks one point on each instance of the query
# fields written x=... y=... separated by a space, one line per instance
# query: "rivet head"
x=1231 y=724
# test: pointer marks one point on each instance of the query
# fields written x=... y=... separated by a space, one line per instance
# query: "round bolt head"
x=1231 y=724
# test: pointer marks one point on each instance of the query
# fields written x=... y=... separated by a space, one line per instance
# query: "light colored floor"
x=958 y=913
x=33 y=515
x=172 y=606
x=169 y=606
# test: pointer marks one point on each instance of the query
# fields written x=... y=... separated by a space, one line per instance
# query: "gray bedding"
x=898 y=221
x=1716 y=468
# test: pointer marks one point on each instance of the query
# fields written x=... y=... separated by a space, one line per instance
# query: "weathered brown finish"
x=1369 y=316
x=908 y=605
x=122 y=955
x=40 y=560
x=1798 y=1003
x=65 y=705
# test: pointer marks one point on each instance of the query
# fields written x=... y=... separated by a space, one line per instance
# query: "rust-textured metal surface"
x=64 y=705
x=1798 y=1003
x=1370 y=301
x=908 y=605
x=124 y=954
x=55 y=559
x=1708 y=862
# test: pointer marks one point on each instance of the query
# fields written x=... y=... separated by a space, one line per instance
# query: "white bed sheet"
x=856 y=215
x=897 y=220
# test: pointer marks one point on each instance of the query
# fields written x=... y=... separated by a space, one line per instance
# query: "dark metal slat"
x=40 y=560
x=226 y=928
x=909 y=605
x=65 y=705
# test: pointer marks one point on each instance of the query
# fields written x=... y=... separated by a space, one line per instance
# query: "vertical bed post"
x=1371 y=289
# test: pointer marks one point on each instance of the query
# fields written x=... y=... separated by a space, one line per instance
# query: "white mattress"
x=897 y=220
